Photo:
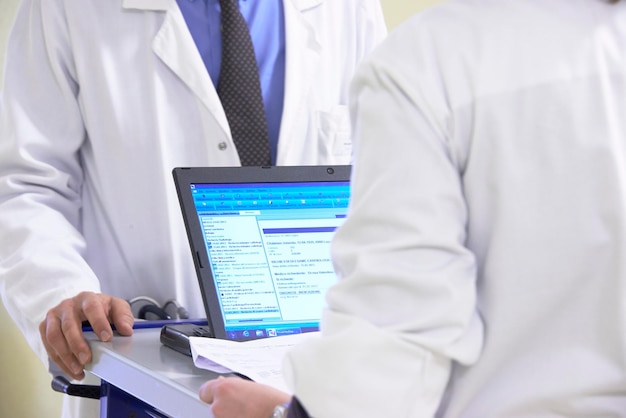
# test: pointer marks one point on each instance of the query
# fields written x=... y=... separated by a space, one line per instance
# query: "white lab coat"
x=482 y=266
x=101 y=100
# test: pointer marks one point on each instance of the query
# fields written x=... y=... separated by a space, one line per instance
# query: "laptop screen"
x=267 y=247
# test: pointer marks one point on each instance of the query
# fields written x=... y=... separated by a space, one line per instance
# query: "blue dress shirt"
x=266 y=22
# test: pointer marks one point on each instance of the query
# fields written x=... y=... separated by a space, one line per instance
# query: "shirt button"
x=222 y=146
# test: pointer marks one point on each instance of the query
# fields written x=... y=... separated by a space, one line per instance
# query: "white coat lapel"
x=302 y=57
x=174 y=45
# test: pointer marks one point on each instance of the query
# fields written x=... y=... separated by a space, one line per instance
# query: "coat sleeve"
x=404 y=307
x=41 y=132
x=374 y=28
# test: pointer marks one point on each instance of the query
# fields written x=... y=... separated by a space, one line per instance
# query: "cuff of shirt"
x=296 y=410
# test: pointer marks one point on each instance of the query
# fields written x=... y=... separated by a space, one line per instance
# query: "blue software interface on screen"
x=269 y=249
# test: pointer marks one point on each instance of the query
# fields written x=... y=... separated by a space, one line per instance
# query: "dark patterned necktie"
x=239 y=88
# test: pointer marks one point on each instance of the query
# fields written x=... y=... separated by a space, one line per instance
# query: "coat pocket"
x=335 y=136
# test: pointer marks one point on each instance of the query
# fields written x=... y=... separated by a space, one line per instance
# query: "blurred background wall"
x=25 y=384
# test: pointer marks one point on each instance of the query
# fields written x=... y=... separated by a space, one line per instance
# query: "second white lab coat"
x=482 y=268
x=101 y=100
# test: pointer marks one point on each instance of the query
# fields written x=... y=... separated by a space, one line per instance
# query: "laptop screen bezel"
x=185 y=177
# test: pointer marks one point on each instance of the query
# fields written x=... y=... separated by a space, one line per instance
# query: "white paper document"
x=260 y=360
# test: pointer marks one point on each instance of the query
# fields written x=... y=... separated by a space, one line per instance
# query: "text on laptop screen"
x=269 y=249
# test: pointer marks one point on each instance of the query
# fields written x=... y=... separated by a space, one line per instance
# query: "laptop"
x=260 y=240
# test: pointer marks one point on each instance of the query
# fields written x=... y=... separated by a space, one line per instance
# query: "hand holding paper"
x=260 y=360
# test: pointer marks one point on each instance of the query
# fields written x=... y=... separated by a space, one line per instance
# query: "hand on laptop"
x=236 y=397
x=61 y=331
